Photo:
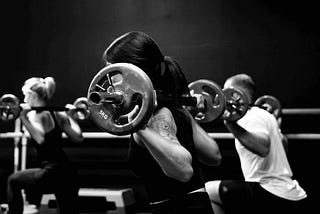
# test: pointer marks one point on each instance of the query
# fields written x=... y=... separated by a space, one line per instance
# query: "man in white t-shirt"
x=268 y=186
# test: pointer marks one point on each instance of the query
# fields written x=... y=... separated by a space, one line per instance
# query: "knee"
x=212 y=189
x=13 y=180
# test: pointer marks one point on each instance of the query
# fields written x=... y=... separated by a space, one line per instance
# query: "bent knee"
x=212 y=188
x=13 y=180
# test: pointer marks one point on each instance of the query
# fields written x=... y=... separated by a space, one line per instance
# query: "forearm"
x=207 y=148
x=255 y=142
x=73 y=130
x=174 y=159
x=210 y=153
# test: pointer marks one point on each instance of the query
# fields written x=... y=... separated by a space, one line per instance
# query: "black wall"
x=276 y=42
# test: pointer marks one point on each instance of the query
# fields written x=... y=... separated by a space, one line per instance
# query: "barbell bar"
x=216 y=135
x=10 y=108
x=118 y=88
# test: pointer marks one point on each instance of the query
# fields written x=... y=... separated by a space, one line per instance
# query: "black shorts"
x=249 y=197
x=197 y=202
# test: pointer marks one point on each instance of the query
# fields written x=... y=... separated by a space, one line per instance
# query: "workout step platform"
x=99 y=200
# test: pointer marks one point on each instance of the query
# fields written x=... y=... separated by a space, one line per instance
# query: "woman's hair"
x=140 y=49
x=245 y=82
x=44 y=88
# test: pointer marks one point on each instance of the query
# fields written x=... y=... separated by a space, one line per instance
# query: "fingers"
x=133 y=113
x=70 y=106
x=25 y=108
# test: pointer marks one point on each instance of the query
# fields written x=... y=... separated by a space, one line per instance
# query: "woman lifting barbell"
x=166 y=151
x=57 y=174
x=10 y=108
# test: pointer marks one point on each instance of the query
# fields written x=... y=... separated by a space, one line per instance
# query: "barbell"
x=10 y=108
x=118 y=88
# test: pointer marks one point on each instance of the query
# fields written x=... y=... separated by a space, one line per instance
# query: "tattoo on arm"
x=165 y=126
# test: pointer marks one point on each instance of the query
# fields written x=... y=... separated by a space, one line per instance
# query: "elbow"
x=264 y=152
x=39 y=140
x=187 y=175
x=265 y=149
x=75 y=137
x=218 y=160
x=78 y=139
x=262 y=148
x=184 y=175
x=214 y=159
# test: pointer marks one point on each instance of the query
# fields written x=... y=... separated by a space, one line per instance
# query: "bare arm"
x=207 y=148
x=159 y=137
x=36 y=125
x=285 y=143
x=256 y=142
x=69 y=126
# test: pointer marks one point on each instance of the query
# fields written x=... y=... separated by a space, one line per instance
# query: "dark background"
x=276 y=42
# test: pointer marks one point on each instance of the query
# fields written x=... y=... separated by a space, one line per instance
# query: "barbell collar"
x=106 y=97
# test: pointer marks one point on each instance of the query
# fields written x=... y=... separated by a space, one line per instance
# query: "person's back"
x=51 y=150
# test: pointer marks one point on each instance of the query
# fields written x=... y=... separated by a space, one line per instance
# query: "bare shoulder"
x=41 y=117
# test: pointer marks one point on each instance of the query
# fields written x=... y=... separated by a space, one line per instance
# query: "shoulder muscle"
x=163 y=122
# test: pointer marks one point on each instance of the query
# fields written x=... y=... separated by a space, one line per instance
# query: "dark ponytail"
x=178 y=86
x=141 y=50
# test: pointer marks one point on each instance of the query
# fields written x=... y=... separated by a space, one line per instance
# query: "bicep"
x=164 y=124
x=207 y=148
x=260 y=127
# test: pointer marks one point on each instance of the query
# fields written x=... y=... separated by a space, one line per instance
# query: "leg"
x=17 y=182
x=67 y=192
x=217 y=208
x=212 y=188
x=236 y=196
x=67 y=200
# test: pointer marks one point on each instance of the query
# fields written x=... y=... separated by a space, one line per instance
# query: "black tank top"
x=158 y=185
x=50 y=151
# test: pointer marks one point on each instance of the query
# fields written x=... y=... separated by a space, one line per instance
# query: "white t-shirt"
x=273 y=172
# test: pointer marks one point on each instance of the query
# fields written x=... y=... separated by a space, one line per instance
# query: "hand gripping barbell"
x=118 y=88
x=10 y=108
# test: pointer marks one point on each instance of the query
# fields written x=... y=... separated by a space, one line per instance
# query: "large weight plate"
x=82 y=106
x=9 y=107
x=135 y=88
x=236 y=104
x=214 y=100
